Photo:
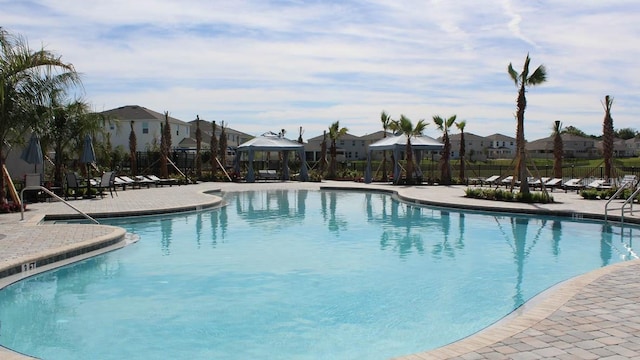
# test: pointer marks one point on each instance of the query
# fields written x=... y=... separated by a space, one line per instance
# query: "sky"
x=266 y=65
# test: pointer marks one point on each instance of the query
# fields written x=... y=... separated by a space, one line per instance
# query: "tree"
x=165 y=146
x=335 y=133
x=558 y=149
x=572 y=130
x=445 y=167
x=625 y=133
x=133 y=145
x=386 y=122
x=24 y=85
x=607 y=137
x=198 y=147
x=522 y=81
x=461 y=125
x=223 y=144
x=214 y=149
x=405 y=126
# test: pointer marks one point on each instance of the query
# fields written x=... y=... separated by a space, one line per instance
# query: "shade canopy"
x=397 y=144
x=32 y=154
x=271 y=142
x=88 y=154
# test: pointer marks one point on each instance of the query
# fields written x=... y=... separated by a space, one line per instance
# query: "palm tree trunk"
x=521 y=169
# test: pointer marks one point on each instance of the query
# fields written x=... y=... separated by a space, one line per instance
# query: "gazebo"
x=397 y=144
x=271 y=142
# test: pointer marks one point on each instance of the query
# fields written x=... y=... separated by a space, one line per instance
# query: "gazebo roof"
x=269 y=142
x=422 y=142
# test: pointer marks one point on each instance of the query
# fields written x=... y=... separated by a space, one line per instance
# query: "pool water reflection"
x=300 y=274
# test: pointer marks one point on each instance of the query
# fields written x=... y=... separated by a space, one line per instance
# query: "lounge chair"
x=107 y=182
x=507 y=181
x=491 y=180
x=133 y=183
x=74 y=185
x=553 y=183
x=143 y=181
x=628 y=181
x=537 y=182
x=599 y=184
x=162 y=182
x=125 y=181
x=573 y=184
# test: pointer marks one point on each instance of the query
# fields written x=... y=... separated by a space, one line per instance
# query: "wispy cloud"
x=264 y=65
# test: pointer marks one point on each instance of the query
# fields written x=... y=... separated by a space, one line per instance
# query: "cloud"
x=264 y=65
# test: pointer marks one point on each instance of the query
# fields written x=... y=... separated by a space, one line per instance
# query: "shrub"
x=505 y=195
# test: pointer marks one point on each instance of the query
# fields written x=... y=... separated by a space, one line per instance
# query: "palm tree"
x=522 y=81
x=214 y=149
x=165 y=146
x=463 y=151
x=386 y=122
x=133 y=145
x=23 y=86
x=607 y=137
x=198 y=148
x=335 y=133
x=223 y=144
x=445 y=168
x=558 y=150
x=405 y=126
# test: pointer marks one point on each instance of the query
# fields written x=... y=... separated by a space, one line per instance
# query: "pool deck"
x=592 y=316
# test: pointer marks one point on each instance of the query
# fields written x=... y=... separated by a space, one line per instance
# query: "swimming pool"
x=300 y=274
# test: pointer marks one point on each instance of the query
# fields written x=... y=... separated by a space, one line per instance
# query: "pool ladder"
x=628 y=202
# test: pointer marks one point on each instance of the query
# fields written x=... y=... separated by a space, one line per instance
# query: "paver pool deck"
x=592 y=316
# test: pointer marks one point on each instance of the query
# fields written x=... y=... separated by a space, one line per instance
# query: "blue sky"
x=269 y=65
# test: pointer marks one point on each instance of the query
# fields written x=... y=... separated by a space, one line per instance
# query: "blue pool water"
x=300 y=275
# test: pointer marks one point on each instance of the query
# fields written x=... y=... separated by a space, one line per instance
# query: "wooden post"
x=12 y=188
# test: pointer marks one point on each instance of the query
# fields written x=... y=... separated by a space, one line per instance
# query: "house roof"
x=135 y=112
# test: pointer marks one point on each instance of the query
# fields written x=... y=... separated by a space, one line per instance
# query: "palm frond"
x=538 y=77
x=513 y=74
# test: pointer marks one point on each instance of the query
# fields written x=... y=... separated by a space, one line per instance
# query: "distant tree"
x=522 y=81
x=165 y=146
x=300 y=141
x=386 y=122
x=558 y=149
x=625 y=133
x=214 y=149
x=323 y=152
x=198 y=148
x=133 y=144
x=607 y=137
x=461 y=125
x=445 y=167
x=405 y=126
x=572 y=130
x=335 y=133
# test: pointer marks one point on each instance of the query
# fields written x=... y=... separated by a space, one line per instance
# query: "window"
x=177 y=130
x=512 y=143
x=349 y=155
x=342 y=142
x=145 y=127
x=112 y=127
x=356 y=154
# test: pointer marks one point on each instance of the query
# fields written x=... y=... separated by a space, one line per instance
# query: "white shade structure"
x=397 y=144
x=272 y=142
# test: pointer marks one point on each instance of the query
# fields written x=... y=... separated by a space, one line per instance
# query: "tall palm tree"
x=23 y=86
x=214 y=149
x=223 y=144
x=335 y=133
x=522 y=81
x=558 y=150
x=198 y=148
x=405 y=126
x=463 y=151
x=607 y=137
x=445 y=167
x=133 y=145
x=165 y=146
x=386 y=122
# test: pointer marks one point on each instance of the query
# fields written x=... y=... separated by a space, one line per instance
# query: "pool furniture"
x=507 y=181
x=107 y=182
x=573 y=184
x=267 y=175
x=553 y=183
x=143 y=181
x=73 y=184
x=491 y=180
x=161 y=182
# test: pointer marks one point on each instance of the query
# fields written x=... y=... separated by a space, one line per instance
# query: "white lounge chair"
x=553 y=183
x=491 y=180
x=573 y=184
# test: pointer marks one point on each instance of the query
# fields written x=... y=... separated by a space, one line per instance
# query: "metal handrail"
x=615 y=196
x=42 y=188
x=630 y=202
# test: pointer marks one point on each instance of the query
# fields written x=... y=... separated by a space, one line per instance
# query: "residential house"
x=146 y=125
x=234 y=137
x=573 y=146
x=500 y=147
x=475 y=146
